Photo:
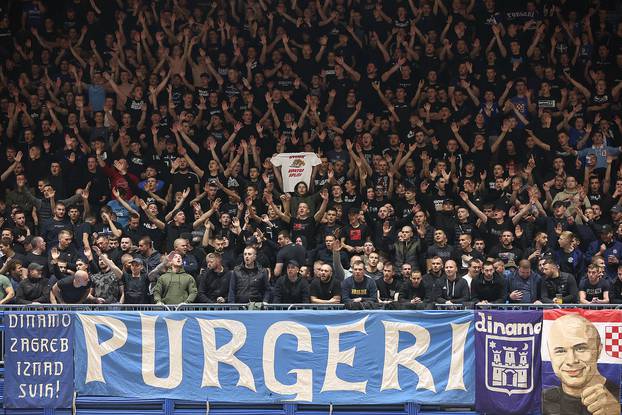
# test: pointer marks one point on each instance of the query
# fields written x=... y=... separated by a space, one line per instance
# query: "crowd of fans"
x=468 y=152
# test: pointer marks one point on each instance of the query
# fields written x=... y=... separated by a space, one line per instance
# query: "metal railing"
x=526 y=306
x=85 y=307
x=269 y=307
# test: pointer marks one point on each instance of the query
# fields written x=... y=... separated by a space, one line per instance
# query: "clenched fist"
x=599 y=401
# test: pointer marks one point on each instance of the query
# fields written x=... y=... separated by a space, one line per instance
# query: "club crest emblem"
x=509 y=364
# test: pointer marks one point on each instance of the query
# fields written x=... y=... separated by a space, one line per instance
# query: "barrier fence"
x=452 y=327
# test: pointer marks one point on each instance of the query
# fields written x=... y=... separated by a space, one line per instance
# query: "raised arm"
x=481 y=215
x=586 y=92
x=152 y=218
x=320 y=213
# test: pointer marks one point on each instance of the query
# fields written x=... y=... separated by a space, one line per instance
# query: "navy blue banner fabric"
x=38 y=360
x=507 y=345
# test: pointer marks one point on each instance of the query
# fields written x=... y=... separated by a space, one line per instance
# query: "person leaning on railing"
x=558 y=287
x=73 y=289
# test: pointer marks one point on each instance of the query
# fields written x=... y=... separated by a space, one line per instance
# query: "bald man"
x=574 y=347
x=74 y=289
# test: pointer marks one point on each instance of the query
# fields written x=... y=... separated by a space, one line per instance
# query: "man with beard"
x=288 y=251
x=149 y=256
x=489 y=287
x=213 y=281
x=412 y=293
x=388 y=286
x=325 y=289
x=558 y=287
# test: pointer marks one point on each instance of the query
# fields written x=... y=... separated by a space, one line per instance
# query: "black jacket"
x=212 y=285
x=287 y=292
x=249 y=285
x=408 y=292
x=493 y=291
x=33 y=290
x=433 y=286
x=456 y=291
x=565 y=284
x=615 y=292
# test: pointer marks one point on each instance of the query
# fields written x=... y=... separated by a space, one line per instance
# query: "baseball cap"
x=252 y=241
x=293 y=263
x=137 y=261
x=606 y=229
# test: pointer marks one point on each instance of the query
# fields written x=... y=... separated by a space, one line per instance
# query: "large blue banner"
x=267 y=357
x=38 y=360
x=507 y=345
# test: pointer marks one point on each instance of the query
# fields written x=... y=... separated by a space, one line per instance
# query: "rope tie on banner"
x=73 y=403
x=206 y=407
x=330 y=408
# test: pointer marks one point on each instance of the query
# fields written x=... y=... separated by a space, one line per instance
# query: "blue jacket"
x=529 y=286
x=613 y=249
x=351 y=289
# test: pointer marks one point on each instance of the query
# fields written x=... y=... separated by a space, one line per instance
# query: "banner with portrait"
x=581 y=358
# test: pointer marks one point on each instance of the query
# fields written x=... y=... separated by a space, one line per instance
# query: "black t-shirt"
x=182 y=180
x=506 y=254
x=289 y=252
x=556 y=402
x=134 y=106
x=304 y=227
x=493 y=231
x=325 y=290
x=69 y=293
x=387 y=290
x=173 y=232
x=355 y=236
x=594 y=291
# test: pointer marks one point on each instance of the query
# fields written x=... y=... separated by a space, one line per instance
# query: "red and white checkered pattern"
x=613 y=341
